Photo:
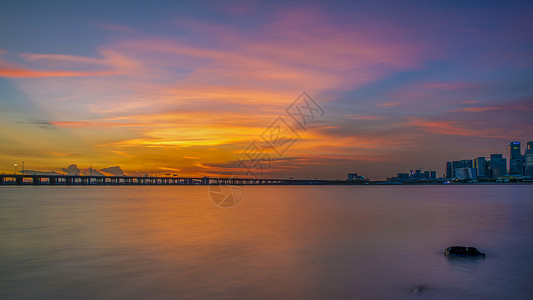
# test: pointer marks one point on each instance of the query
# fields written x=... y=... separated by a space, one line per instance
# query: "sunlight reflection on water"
x=288 y=242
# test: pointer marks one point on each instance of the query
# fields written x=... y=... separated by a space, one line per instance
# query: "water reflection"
x=279 y=242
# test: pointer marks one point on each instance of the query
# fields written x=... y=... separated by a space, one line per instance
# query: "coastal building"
x=355 y=176
x=465 y=173
x=452 y=166
x=528 y=160
x=403 y=176
x=415 y=176
x=480 y=164
x=449 y=170
x=514 y=149
x=498 y=166
x=516 y=160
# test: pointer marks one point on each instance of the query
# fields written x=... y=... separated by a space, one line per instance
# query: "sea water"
x=279 y=242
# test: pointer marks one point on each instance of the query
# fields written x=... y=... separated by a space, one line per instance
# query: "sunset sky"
x=185 y=86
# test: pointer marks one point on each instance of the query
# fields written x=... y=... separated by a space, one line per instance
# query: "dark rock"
x=463 y=251
x=418 y=289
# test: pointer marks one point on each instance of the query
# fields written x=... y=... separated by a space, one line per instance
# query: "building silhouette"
x=498 y=165
x=453 y=167
x=481 y=166
x=516 y=160
x=415 y=176
x=528 y=160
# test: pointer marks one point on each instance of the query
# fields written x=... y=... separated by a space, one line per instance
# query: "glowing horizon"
x=185 y=87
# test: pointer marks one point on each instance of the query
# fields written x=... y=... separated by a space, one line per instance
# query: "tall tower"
x=528 y=160
x=516 y=160
x=514 y=150
x=480 y=164
x=497 y=165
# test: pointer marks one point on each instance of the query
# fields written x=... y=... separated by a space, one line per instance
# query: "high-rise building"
x=453 y=165
x=480 y=164
x=403 y=176
x=465 y=163
x=465 y=173
x=528 y=160
x=514 y=150
x=449 y=170
x=516 y=160
x=498 y=165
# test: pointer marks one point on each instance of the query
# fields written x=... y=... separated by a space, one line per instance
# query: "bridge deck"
x=19 y=179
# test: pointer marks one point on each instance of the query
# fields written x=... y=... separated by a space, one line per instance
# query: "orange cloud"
x=83 y=124
x=454 y=128
x=503 y=107
x=123 y=153
x=389 y=104
x=59 y=153
x=18 y=72
x=161 y=95
x=63 y=58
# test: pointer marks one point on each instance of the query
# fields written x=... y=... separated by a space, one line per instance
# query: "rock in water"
x=463 y=251
x=418 y=289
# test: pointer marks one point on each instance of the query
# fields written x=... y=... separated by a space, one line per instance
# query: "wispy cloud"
x=520 y=105
x=457 y=128
x=15 y=71
x=190 y=101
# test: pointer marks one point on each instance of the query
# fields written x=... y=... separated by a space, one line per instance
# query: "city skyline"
x=493 y=166
x=184 y=88
x=479 y=167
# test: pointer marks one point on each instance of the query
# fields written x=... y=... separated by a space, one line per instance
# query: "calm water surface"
x=280 y=242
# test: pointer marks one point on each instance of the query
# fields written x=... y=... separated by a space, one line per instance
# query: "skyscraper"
x=449 y=170
x=514 y=150
x=497 y=165
x=480 y=164
x=452 y=166
x=516 y=160
x=528 y=159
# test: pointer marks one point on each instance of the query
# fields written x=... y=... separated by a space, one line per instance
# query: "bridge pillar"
x=2 y=180
x=52 y=180
x=18 y=180
x=36 y=180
